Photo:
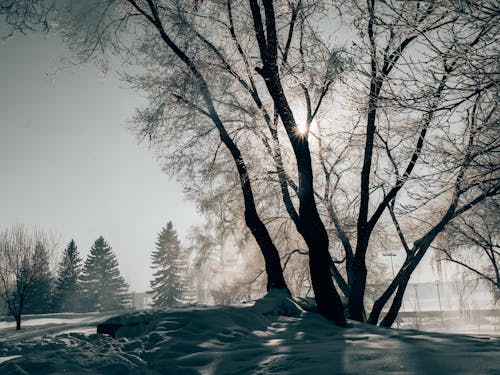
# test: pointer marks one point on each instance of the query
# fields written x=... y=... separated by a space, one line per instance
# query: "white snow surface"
x=36 y=326
x=271 y=336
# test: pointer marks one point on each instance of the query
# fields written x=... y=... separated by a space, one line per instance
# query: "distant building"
x=141 y=300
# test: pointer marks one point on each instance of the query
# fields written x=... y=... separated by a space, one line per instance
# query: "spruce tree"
x=167 y=288
x=40 y=295
x=103 y=288
x=67 y=290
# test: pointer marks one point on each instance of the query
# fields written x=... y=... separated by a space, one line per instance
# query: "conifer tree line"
x=76 y=286
x=93 y=285
x=30 y=286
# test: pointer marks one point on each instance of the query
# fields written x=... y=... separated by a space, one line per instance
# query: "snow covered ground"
x=272 y=336
x=36 y=326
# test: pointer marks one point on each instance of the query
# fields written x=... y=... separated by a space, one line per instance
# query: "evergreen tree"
x=103 y=288
x=168 y=285
x=67 y=290
x=40 y=295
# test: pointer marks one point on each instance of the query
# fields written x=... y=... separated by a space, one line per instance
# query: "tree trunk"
x=382 y=301
x=364 y=228
x=356 y=300
x=18 y=321
x=358 y=281
x=312 y=228
x=316 y=237
x=274 y=270
x=391 y=316
x=339 y=279
x=411 y=264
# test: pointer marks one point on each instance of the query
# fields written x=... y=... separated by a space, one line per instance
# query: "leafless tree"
x=453 y=166
x=19 y=266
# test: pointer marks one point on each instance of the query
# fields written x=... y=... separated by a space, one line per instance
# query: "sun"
x=301 y=128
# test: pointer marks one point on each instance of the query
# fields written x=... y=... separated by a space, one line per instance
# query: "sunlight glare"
x=301 y=128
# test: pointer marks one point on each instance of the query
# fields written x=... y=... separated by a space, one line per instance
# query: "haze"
x=70 y=166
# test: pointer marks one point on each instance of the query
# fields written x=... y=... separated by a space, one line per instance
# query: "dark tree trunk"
x=337 y=276
x=411 y=264
x=420 y=248
x=391 y=316
x=356 y=298
x=364 y=226
x=316 y=237
x=274 y=270
x=272 y=260
x=382 y=301
x=358 y=280
x=414 y=256
x=18 y=321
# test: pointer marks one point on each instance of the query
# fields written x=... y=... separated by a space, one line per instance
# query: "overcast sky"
x=69 y=165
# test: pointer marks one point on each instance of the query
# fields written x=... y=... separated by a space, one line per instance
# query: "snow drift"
x=272 y=336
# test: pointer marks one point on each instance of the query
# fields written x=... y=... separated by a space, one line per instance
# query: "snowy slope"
x=35 y=326
x=273 y=336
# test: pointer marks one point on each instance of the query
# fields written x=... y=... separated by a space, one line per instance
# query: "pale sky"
x=69 y=165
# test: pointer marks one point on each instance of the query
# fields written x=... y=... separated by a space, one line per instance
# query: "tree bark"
x=382 y=301
x=18 y=321
x=274 y=270
x=391 y=316
x=316 y=238
x=358 y=281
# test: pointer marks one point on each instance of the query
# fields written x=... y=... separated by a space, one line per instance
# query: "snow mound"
x=275 y=303
x=272 y=336
x=278 y=302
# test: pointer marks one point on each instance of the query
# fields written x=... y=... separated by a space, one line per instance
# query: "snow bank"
x=50 y=324
x=272 y=336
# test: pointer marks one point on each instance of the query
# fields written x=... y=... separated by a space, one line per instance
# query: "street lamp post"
x=439 y=300
x=391 y=255
x=417 y=321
